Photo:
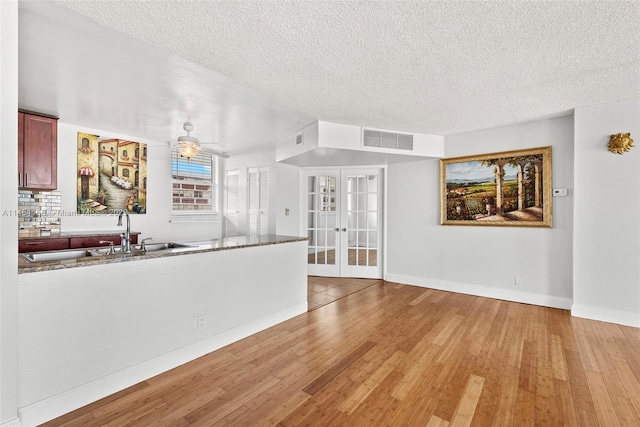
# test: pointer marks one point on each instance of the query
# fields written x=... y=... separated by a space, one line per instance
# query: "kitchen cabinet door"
x=93 y=241
x=38 y=152
x=37 y=245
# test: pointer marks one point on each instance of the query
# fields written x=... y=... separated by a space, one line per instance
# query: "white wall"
x=607 y=215
x=9 y=202
x=483 y=260
x=155 y=223
x=287 y=197
x=81 y=340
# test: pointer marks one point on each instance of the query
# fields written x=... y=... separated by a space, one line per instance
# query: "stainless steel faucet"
x=110 y=243
x=143 y=245
x=125 y=238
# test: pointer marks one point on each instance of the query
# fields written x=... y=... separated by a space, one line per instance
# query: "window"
x=194 y=184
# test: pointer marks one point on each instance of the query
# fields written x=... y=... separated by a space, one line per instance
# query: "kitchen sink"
x=105 y=251
x=137 y=249
x=100 y=251
x=55 y=255
x=152 y=247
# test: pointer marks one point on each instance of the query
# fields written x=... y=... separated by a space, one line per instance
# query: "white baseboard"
x=606 y=315
x=60 y=404
x=13 y=422
x=482 y=291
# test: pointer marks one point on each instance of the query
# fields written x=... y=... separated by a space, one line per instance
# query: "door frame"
x=338 y=171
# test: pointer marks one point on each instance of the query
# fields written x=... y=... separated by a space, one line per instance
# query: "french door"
x=344 y=222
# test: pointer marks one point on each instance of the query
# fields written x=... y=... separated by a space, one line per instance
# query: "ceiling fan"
x=189 y=146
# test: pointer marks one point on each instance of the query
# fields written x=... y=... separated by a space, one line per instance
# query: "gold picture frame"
x=112 y=175
x=510 y=188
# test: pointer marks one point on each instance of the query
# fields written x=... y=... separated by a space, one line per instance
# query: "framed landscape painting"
x=511 y=188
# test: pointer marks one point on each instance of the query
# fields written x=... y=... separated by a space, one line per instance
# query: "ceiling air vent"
x=382 y=139
x=299 y=139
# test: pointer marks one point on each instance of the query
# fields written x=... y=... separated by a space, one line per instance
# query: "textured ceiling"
x=423 y=66
x=98 y=78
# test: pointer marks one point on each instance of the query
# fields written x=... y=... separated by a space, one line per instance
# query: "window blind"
x=194 y=186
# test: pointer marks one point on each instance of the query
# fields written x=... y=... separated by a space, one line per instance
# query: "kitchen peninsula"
x=92 y=327
x=184 y=248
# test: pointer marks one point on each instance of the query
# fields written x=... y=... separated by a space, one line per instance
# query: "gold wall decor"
x=112 y=175
x=620 y=143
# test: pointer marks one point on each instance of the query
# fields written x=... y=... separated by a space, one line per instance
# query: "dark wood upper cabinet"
x=37 y=152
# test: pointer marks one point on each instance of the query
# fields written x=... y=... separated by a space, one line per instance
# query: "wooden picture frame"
x=510 y=188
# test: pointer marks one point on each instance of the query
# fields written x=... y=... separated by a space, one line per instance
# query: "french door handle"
x=344 y=229
x=336 y=229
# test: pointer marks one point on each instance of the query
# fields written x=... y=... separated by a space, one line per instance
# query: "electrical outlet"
x=201 y=321
x=518 y=281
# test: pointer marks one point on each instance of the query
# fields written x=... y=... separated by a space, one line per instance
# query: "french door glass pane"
x=362 y=220
x=372 y=223
x=362 y=184
x=372 y=202
x=372 y=184
x=321 y=218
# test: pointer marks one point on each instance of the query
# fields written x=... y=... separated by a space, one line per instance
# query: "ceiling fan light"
x=189 y=149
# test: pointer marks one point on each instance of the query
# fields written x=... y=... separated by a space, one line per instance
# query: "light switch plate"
x=559 y=192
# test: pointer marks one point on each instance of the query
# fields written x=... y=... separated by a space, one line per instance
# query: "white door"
x=232 y=203
x=344 y=222
x=258 y=201
x=361 y=216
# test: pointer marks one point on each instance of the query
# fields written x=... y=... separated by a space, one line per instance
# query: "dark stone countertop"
x=195 y=246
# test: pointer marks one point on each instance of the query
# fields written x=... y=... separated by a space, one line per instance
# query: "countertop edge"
x=228 y=244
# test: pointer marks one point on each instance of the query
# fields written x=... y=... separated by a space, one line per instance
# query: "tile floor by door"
x=325 y=290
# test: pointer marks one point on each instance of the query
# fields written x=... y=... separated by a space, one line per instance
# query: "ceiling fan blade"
x=177 y=145
x=215 y=153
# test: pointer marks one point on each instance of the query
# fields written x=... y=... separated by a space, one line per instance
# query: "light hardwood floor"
x=396 y=355
x=325 y=290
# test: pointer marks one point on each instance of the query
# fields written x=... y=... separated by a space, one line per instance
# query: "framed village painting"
x=112 y=175
x=511 y=188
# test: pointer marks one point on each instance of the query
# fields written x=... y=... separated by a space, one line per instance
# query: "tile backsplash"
x=39 y=213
